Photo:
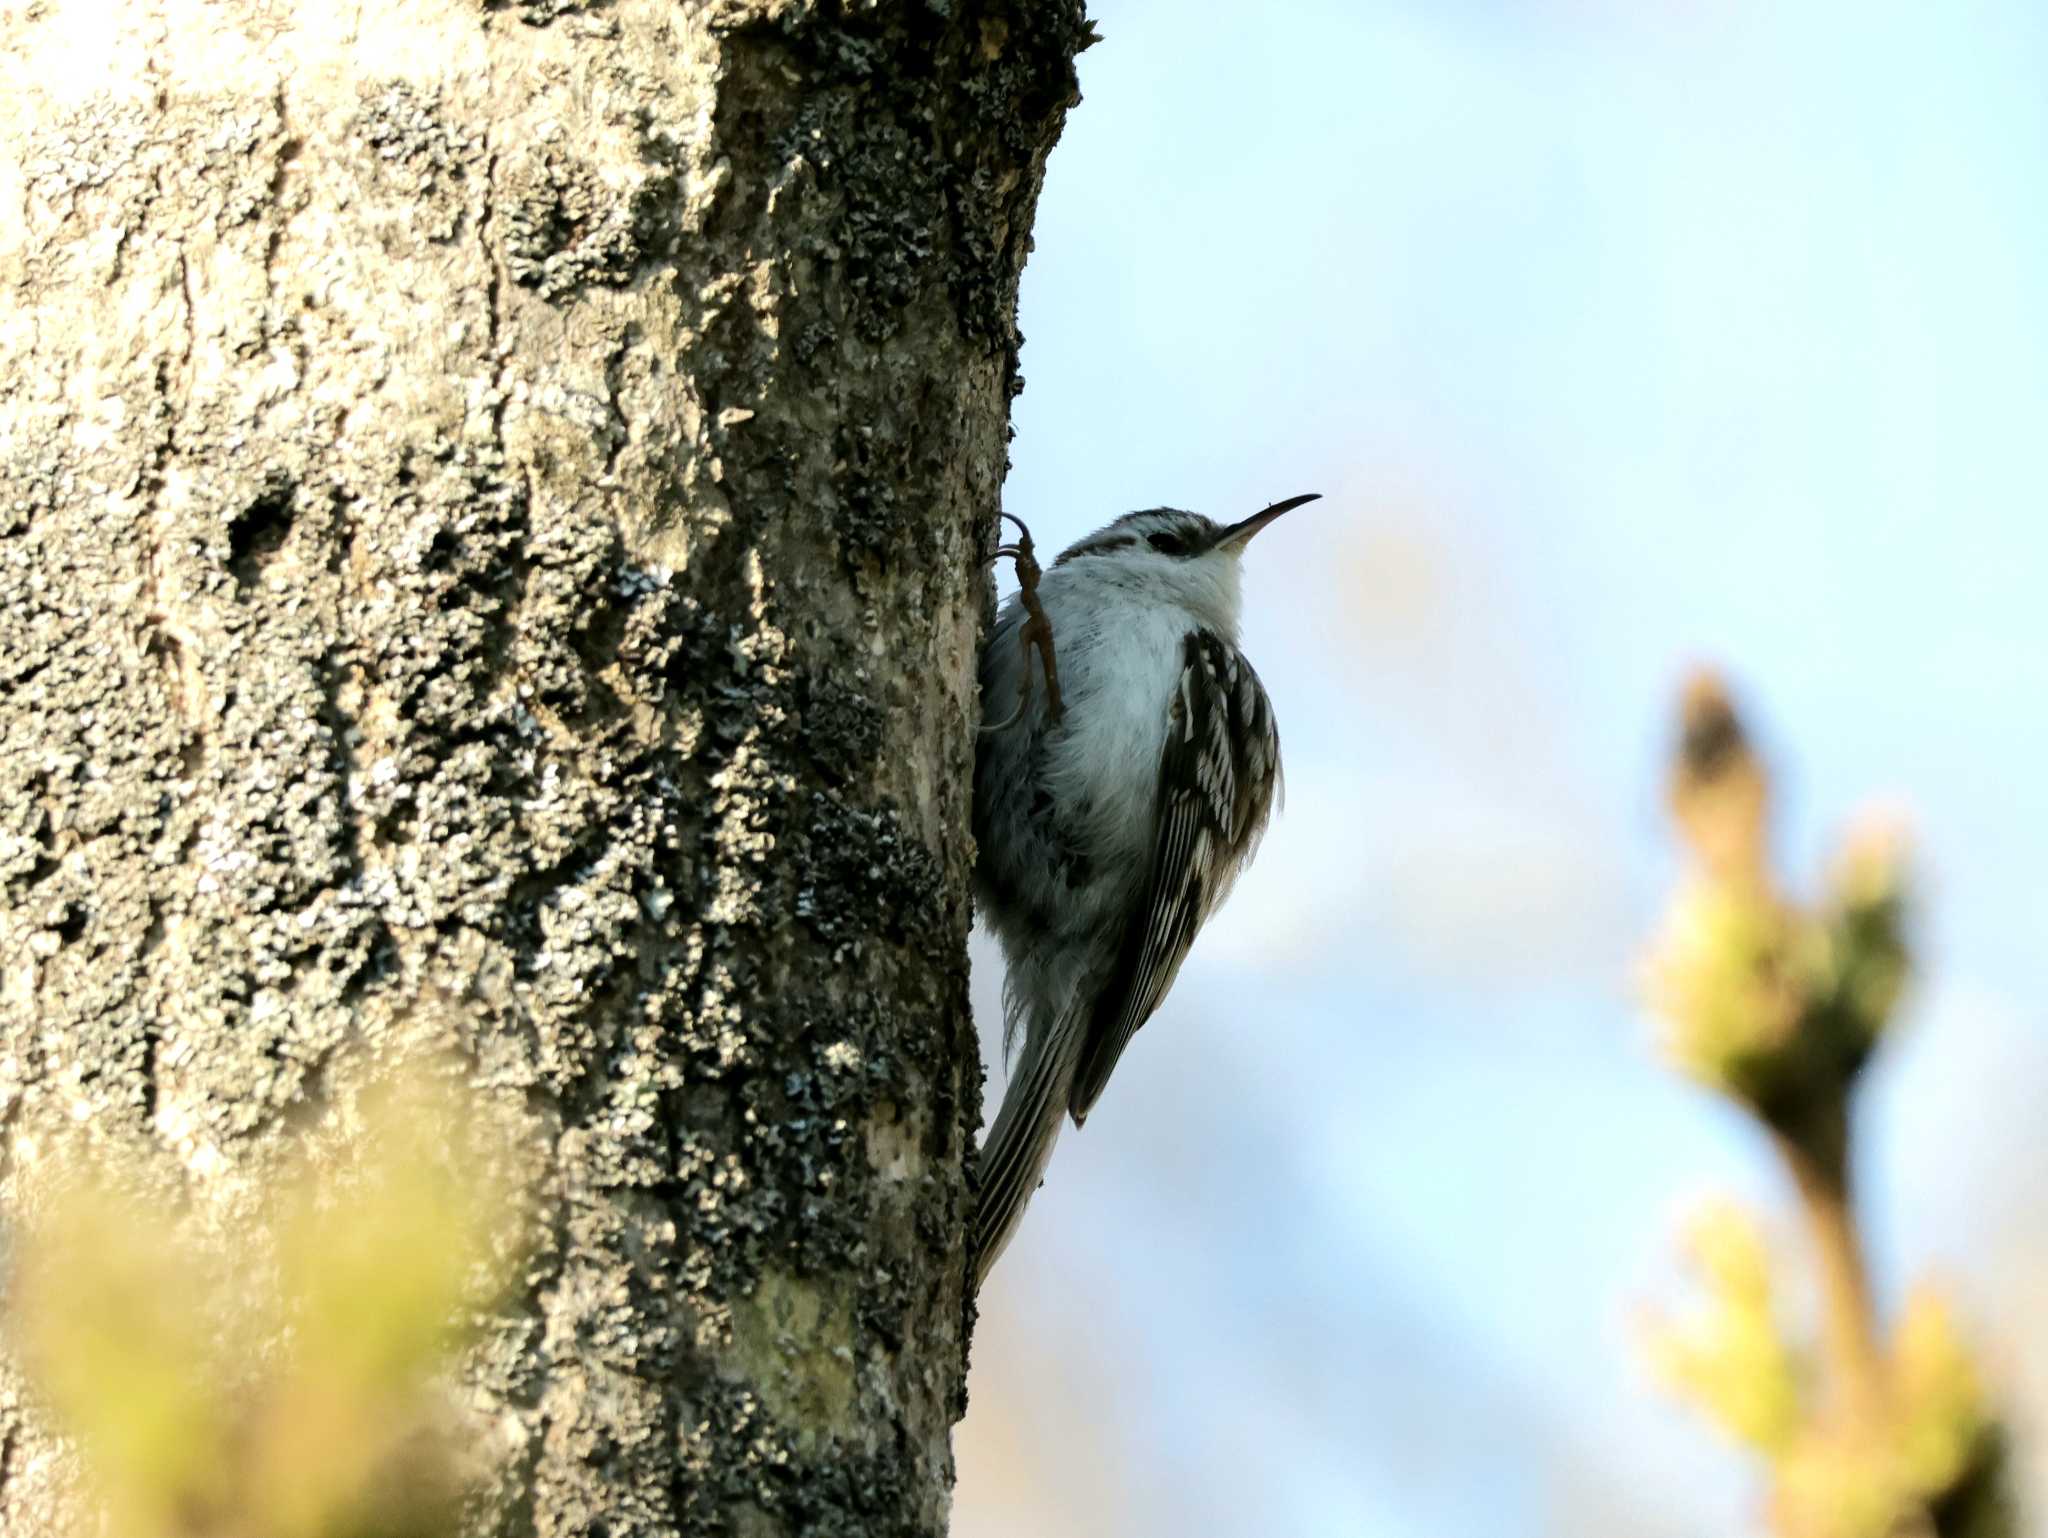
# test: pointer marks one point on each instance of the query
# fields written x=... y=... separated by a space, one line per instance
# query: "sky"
x=1619 y=336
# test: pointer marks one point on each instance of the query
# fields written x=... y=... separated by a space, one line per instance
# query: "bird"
x=1113 y=809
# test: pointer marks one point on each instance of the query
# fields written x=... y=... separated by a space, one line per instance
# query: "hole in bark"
x=256 y=533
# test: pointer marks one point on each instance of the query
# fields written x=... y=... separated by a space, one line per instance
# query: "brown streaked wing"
x=1216 y=780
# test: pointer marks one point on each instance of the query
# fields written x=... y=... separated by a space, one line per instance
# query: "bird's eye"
x=1167 y=544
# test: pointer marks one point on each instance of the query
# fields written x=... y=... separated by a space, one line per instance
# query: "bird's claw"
x=1036 y=631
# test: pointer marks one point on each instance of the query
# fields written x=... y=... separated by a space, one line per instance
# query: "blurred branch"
x=1778 y=1006
x=1849 y=1318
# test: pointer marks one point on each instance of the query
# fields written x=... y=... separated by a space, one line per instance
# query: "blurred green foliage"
x=1777 y=1005
x=287 y=1380
x=1731 y=1356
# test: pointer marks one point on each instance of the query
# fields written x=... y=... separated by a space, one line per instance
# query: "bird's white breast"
x=1120 y=657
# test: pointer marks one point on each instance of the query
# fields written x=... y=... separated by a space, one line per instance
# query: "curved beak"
x=1238 y=534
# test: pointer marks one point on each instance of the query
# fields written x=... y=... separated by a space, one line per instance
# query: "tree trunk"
x=490 y=506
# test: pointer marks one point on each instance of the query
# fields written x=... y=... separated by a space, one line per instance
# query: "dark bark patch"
x=539 y=13
x=258 y=531
x=864 y=868
x=841 y=730
x=565 y=228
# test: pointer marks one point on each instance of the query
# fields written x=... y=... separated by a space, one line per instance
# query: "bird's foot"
x=1036 y=632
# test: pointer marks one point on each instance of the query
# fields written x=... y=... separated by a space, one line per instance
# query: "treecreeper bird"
x=1117 y=795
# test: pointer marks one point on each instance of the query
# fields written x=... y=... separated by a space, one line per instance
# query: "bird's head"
x=1177 y=557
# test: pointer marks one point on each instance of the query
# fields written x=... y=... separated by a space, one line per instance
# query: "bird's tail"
x=1014 y=1155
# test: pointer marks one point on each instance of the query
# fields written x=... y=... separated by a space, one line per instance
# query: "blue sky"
x=1618 y=336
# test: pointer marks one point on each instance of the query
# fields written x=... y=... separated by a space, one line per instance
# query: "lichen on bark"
x=491 y=501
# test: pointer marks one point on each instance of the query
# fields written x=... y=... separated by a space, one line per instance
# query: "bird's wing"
x=1217 y=776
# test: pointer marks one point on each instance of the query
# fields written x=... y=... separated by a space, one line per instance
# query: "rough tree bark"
x=490 y=503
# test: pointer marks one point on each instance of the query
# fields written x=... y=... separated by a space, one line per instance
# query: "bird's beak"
x=1239 y=534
